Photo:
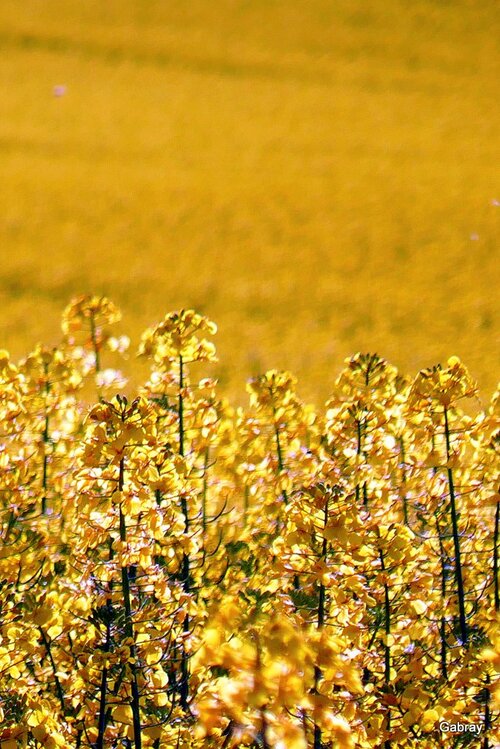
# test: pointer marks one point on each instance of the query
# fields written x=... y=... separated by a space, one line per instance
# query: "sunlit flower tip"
x=88 y=362
x=207 y=383
x=111 y=378
x=87 y=307
x=120 y=344
x=340 y=727
x=453 y=361
x=389 y=442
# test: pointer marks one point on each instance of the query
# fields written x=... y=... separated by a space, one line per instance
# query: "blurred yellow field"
x=318 y=177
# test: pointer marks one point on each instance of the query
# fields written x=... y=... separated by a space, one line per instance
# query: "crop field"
x=176 y=572
x=319 y=177
x=249 y=419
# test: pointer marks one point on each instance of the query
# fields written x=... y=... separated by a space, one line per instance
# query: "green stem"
x=46 y=439
x=487 y=714
x=181 y=405
x=186 y=571
x=359 y=449
x=456 y=538
x=93 y=337
x=387 y=647
x=320 y=623
x=246 y=496
x=103 y=687
x=204 y=491
x=279 y=452
x=403 y=479
x=442 y=625
x=495 y=557
x=263 y=719
x=129 y=627
x=60 y=694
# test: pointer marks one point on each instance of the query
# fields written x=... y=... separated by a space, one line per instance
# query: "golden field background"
x=319 y=177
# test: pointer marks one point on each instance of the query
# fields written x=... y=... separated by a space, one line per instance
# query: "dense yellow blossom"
x=176 y=572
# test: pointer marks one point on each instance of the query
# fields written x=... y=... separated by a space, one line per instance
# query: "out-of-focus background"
x=318 y=176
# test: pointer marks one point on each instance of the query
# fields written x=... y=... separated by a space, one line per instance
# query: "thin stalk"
x=204 y=491
x=359 y=450
x=59 y=690
x=442 y=624
x=103 y=687
x=496 y=533
x=403 y=479
x=263 y=719
x=372 y=361
x=181 y=405
x=46 y=439
x=95 y=346
x=324 y=549
x=279 y=452
x=129 y=628
x=186 y=571
x=456 y=538
x=387 y=647
x=246 y=497
x=444 y=577
x=320 y=623
x=487 y=715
